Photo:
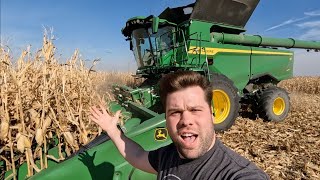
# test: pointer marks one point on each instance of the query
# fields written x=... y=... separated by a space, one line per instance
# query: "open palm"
x=107 y=122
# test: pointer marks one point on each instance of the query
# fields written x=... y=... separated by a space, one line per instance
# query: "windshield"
x=159 y=43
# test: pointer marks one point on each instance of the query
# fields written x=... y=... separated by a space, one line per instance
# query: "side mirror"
x=155 y=24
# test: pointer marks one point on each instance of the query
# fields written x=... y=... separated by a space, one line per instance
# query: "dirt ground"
x=285 y=150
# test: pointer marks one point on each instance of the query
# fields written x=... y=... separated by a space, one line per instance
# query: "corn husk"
x=47 y=123
x=22 y=142
x=69 y=138
x=39 y=136
x=4 y=129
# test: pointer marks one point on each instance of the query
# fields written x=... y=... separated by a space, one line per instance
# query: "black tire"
x=225 y=118
x=274 y=104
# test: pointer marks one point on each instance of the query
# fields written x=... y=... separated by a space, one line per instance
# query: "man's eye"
x=195 y=110
x=175 y=113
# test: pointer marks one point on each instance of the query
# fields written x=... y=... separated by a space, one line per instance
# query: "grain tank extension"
x=207 y=37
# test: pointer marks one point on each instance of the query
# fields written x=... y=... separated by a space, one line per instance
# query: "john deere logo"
x=160 y=134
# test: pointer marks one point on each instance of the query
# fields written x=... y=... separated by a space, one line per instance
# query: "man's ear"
x=212 y=109
x=212 y=113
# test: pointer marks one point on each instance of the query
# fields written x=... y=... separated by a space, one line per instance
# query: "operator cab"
x=148 y=48
x=150 y=38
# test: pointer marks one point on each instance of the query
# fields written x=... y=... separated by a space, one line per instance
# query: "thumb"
x=117 y=115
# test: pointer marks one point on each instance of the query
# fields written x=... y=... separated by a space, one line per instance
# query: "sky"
x=94 y=27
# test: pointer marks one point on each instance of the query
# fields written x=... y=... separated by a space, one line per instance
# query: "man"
x=196 y=153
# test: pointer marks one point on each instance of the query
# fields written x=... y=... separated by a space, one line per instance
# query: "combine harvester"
x=206 y=37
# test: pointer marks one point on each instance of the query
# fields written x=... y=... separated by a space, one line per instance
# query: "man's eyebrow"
x=195 y=107
x=174 y=109
x=180 y=109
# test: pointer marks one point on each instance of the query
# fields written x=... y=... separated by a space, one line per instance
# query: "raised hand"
x=129 y=149
x=107 y=122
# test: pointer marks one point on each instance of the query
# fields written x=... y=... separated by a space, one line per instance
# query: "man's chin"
x=189 y=153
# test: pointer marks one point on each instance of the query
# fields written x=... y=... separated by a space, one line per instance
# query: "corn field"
x=44 y=103
x=289 y=149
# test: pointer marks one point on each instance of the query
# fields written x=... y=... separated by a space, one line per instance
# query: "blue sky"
x=94 y=27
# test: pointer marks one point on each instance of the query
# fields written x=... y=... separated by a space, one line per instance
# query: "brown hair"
x=176 y=81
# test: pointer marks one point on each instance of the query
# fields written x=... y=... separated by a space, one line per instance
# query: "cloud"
x=313 y=13
x=290 y=21
x=313 y=30
x=312 y=34
x=309 y=24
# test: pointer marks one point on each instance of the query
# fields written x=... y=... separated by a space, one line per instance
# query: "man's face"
x=189 y=122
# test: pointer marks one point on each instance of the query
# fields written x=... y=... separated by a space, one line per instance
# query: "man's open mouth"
x=188 y=138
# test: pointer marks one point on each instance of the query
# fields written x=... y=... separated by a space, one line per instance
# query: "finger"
x=117 y=115
x=93 y=119
x=94 y=112
x=104 y=111
x=96 y=120
x=102 y=101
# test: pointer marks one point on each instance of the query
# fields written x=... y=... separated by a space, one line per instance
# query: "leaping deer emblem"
x=161 y=134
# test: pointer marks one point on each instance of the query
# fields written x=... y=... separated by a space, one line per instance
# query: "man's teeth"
x=187 y=135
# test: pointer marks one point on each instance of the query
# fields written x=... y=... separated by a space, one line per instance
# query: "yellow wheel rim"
x=278 y=106
x=221 y=103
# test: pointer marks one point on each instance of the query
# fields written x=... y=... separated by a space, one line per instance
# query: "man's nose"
x=186 y=119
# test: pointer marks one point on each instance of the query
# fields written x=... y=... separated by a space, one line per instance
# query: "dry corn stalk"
x=42 y=99
x=309 y=85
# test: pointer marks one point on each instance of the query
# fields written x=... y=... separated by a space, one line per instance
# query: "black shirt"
x=220 y=162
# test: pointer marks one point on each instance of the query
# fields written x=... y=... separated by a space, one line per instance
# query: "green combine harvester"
x=206 y=37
